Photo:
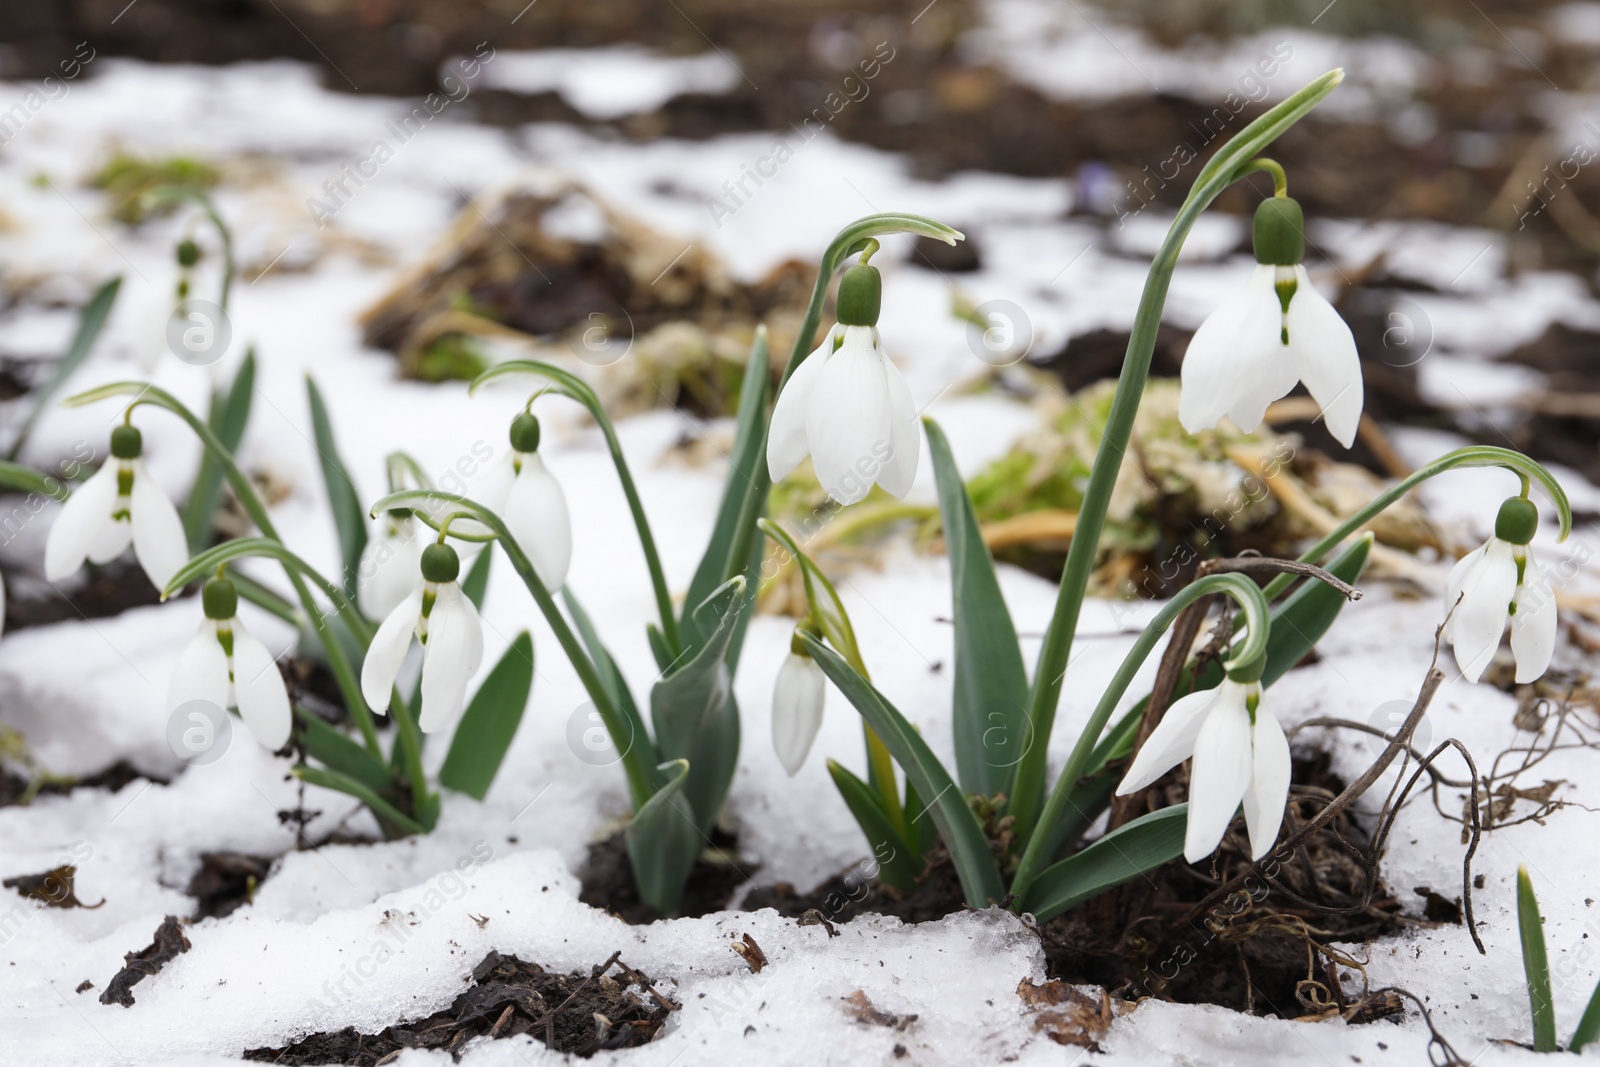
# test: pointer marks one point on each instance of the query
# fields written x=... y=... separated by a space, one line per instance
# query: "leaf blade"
x=490 y=721
x=91 y=320
x=348 y=514
x=1128 y=851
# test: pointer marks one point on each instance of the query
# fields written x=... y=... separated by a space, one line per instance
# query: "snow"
x=363 y=934
x=607 y=83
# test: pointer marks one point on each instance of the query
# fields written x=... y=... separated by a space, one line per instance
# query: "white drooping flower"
x=527 y=497
x=389 y=564
x=444 y=620
x=848 y=406
x=797 y=702
x=120 y=504
x=1240 y=754
x=1497 y=582
x=224 y=664
x=1275 y=332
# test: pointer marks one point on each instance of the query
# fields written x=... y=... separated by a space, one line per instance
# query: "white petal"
x=1480 y=618
x=388 y=651
x=1454 y=583
x=798 y=697
x=1170 y=743
x=158 y=538
x=1264 y=800
x=455 y=639
x=114 y=537
x=847 y=419
x=1218 y=776
x=202 y=671
x=905 y=435
x=1236 y=363
x=1533 y=624
x=390 y=567
x=536 y=514
x=259 y=691
x=1326 y=359
x=786 y=438
x=82 y=521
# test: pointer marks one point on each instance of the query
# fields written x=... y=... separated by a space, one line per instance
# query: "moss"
x=453 y=357
x=127 y=178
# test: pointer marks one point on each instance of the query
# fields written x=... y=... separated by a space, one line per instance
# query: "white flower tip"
x=1193 y=854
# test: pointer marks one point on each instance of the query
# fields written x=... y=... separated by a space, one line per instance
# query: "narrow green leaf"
x=1588 y=1026
x=958 y=827
x=392 y=819
x=340 y=754
x=476 y=583
x=898 y=862
x=1535 y=964
x=991 y=685
x=1308 y=613
x=658 y=647
x=228 y=416
x=663 y=840
x=826 y=607
x=490 y=721
x=695 y=715
x=1127 y=852
x=90 y=322
x=730 y=542
x=28 y=480
x=348 y=514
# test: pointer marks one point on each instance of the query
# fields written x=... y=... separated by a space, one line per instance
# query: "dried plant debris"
x=1065 y=1014
x=169 y=942
x=225 y=882
x=546 y=262
x=54 y=887
x=860 y=1008
x=573 y=1013
x=747 y=949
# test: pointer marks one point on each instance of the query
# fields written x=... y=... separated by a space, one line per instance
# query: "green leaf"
x=394 y=822
x=991 y=685
x=228 y=416
x=90 y=322
x=1143 y=844
x=1307 y=613
x=694 y=712
x=663 y=840
x=659 y=648
x=340 y=754
x=898 y=862
x=490 y=721
x=1535 y=964
x=611 y=679
x=743 y=494
x=348 y=514
x=28 y=480
x=476 y=583
x=1589 y=1025
x=958 y=827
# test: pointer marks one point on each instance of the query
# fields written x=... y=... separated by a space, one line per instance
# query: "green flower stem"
x=1471 y=456
x=242 y=547
x=1280 y=180
x=169 y=194
x=575 y=388
x=399 y=464
x=1252 y=651
x=641 y=781
x=349 y=686
x=1221 y=171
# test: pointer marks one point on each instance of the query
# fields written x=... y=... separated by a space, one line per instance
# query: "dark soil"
x=1140 y=941
x=105 y=591
x=225 y=882
x=572 y=1013
x=607 y=881
x=55 y=888
x=13 y=786
x=169 y=942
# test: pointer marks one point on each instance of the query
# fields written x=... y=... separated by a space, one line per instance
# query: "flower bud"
x=1280 y=232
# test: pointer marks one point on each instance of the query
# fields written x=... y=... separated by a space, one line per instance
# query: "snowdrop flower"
x=119 y=504
x=1274 y=333
x=797 y=700
x=447 y=624
x=389 y=564
x=1240 y=754
x=223 y=659
x=152 y=337
x=1497 y=581
x=529 y=500
x=847 y=405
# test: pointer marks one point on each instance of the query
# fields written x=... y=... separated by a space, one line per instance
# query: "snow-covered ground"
x=317 y=949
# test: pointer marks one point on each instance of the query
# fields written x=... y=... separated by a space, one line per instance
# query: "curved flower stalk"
x=225 y=665
x=447 y=625
x=120 y=505
x=1502 y=580
x=847 y=405
x=1277 y=331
